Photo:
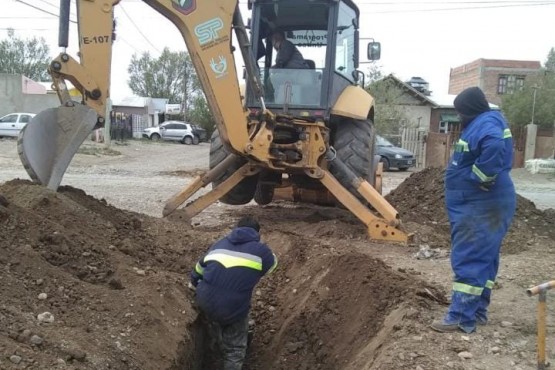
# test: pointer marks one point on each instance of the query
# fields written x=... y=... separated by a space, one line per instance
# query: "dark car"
x=392 y=156
x=199 y=132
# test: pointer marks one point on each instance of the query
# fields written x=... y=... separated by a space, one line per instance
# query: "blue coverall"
x=481 y=201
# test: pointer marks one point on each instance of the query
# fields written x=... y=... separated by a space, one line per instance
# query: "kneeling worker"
x=224 y=280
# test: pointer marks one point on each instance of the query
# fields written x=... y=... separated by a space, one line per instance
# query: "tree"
x=519 y=106
x=200 y=114
x=375 y=73
x=171 y=76
x=550 y=62
x=389 y=114
x=29 y=57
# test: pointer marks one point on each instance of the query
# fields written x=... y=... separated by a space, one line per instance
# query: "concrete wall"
x=544 y=147
x=13 y=99
x=412 y=114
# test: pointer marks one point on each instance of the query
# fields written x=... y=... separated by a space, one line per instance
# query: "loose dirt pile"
x=421 y=203
x=113 y=281
x=88 y=286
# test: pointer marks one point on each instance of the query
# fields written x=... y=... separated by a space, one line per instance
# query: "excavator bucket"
x=47 y=144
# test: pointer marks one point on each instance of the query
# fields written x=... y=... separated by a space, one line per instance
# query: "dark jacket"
x=226 y=276
x=288 y=56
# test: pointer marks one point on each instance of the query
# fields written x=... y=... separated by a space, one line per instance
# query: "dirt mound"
x=420 y=201
x=114 y=282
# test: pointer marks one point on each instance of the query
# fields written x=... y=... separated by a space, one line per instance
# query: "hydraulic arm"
x=50 y=141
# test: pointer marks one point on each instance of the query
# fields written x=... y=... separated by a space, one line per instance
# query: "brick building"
x=494 y=77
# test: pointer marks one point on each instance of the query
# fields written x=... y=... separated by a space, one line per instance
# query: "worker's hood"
x=242 y=235
x=469 y=104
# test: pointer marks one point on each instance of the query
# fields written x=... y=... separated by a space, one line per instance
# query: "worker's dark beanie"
x=249 y=221
x=471 y=102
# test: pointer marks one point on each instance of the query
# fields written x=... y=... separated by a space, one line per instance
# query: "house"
x=430 y=124
x=144 y=111
x=425 y=110
x=494 y=76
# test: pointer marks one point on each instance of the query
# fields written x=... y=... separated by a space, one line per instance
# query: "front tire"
x=385 y=162
x=244 y=191
x=155 y=137
x=187 y=140
x=354 y=143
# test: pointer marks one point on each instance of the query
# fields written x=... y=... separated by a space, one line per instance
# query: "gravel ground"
x=141 y=175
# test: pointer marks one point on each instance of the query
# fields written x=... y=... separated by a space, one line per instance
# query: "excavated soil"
x=421 y=204
x=114 y=283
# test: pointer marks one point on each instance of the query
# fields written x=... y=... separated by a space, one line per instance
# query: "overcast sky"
x=419 y=38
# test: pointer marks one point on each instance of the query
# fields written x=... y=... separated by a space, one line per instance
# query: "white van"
x=11 y=124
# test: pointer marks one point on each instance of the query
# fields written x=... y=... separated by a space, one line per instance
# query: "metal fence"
x=414 y=140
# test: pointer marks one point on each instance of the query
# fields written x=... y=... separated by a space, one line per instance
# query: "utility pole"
x=108 y=124
x=535 y=87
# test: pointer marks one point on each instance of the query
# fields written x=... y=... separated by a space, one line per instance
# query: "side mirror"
x=374 y=50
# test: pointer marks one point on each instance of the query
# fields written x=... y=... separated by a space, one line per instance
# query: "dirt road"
x=140 y=175
x=114 y=278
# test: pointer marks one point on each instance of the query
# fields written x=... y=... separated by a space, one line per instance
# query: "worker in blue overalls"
x=481 y=201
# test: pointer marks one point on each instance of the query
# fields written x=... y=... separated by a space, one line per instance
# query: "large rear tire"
x=354 y=143
x=244 y=191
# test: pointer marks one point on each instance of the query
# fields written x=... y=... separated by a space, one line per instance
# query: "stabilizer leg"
x=222 y=189
x=378 y=228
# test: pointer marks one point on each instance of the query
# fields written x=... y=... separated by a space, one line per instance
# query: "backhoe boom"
x=51 y=139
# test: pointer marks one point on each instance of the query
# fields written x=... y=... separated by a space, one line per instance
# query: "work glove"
x=191 y=287
x=486 y=186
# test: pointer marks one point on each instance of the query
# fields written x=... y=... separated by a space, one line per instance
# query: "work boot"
x=443 y=327
x=481 y=320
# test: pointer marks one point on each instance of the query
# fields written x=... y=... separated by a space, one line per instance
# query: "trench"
x=319 y=311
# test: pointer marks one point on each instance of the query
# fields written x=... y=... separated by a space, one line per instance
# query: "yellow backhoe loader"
x=303 y=134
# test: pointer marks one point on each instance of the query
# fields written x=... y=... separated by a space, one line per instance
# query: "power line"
x=39 y=17
x=58 y=8
x=25 y=29
x=52 y=5
x=41 y=10
x=128 y=44
x=515 y=2
x=458 y=8
x=138 y=29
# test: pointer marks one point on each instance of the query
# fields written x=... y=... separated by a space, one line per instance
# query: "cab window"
x=345 y=45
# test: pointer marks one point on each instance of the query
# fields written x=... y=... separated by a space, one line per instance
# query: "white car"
x=11 y=124
x=172 y=131
x=152 y=133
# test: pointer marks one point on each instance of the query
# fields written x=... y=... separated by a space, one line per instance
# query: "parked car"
x=152 y=133
x=394 y=157
x=200 y=132
x=13 y=123
x=172 y=131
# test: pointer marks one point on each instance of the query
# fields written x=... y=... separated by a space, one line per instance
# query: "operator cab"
x=325 y=33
